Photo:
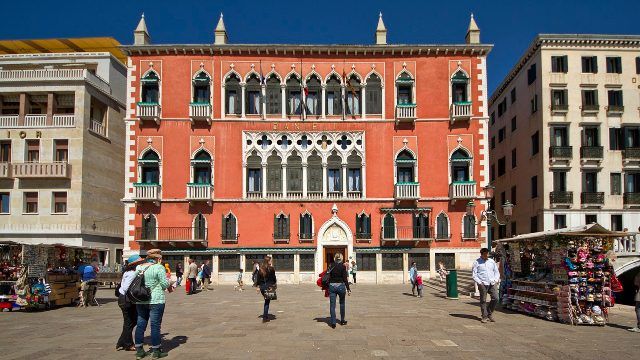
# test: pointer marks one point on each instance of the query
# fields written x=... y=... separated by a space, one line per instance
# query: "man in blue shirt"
x=413 y=274
x=487 y=276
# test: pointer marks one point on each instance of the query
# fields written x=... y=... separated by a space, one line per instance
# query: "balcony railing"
x=559 y=108
x=561 y=197
x=64 y=120
x=592 y=198
x=561 y=152
x=590 y=108
x=200 y=111
x=8 y=121
x=203 y=192
x=557 y=78
x=588 y=78
x=405 y=112
x=5 y=170
x=631 y=198
x=469 y=236
x=461 y=110
x=35 y=121
x=363 y=236
x=462 y=190
x=148 y=111
x=628 y=245
x=98 y=127
x=306 y=237
x=406 y=233
x=172 y=234
x=407 y=191
x=443 y=237
x=631 y=153
x=281 y=238
x=612 y=79
x=591 y=152
x=146 y=192
x=54 y=170
x=229 y=238
x=55 y=75
x=615 y=109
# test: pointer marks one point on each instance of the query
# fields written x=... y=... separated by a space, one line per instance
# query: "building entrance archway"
x=334 y=236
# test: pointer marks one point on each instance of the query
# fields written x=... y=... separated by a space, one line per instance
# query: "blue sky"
x=509 y=25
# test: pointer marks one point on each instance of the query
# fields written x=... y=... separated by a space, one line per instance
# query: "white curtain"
x=330 y=99
x=354 y=105
x=312 y=103
x=232 y=103
x=334 y=180
x=354 y=179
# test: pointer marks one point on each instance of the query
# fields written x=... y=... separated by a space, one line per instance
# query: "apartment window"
x=492 y=118
x=374 y=95
x=590 y=64
x=616 y=184
x=150 y=88
x=313 y=97
x=281 y=227
x=535 y=143
x=590 y=182
x=513 y=95
x=333 y=95
x=253 y=96
x=201 y=88
x=559 y=136
x=492 y=172
x=353 y=90
x=503 y=197
x=616 y=139
x=591 y=136
x=59 y=203
x=502 y=107
x=590 y=218
x=363 y=226
x=33 y=150
x=616 y=222
x=513 y=228
x=631 y=137
x=589 y=99
x=514 y=158
x=615 y=98
x=531 y=74
x=514 y=195
x=502 y=231
x=632 y=182
x=559 y=64
x=5 y=151
x=559 y=221
x=559 y=181
x=493 y=142
x=558 y=98
x=534 y=187
x=502 y=134
x=514 y=124
x=534 y=104
x=366 y=262
x=501 y=166
x=233 y=95
x=614 y=65
x=5 y=203
x=534 y=224
x=31 y=203
x=254 y=180
x=274 y=95
x=638 y=65
x=61 y=148
x=229 y=227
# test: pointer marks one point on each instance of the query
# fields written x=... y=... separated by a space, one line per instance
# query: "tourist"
x=88 y=286
x=442 y=271
x=636 y=282
x=206 y=275
x=419 y=284
x=487 y=276
x=152 y=311
x=240 y=286
x=129 y=312
x=179 y=272
x=338 y=286
x=254 y=274
x=266 y=281
x=354 y=270
x=191 y=276
x=413 y=271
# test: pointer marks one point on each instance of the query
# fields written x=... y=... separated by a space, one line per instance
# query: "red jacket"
x=319 y=283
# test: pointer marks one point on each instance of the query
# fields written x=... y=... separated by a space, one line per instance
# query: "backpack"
x=138 y=291
x=326 y=278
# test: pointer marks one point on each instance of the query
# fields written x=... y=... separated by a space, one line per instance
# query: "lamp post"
x=490 y=215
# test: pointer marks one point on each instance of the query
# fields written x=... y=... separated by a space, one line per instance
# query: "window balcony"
x=363 y=237
x=148 y=111
x=405 y=112
x=469 y=236
x=560 y=152
x=443 y=237
x=35 y=121
x=559 y=108
x=5 y=170
x=8 y=121
x=64 y=120
x=615 y=109
x=631 y=198
x=146 y=192
x=38 y=170
x=461 y=110
x=557 y=78
x=631 y=154
x=612 y=79
x=200 y=111
x=564 y=198
x=462 y=190
x=396 y=234
x=98 y=127
x=172 y=235
x=407 y=191
x=334 y=194
x=354 y=194
x=306 y=237
x=55 y=75
x=592 y=198
x=281 y=238
x=199 y=192
x=588 y=79
x=590 y=109
x=591 y=152
x=229 y=238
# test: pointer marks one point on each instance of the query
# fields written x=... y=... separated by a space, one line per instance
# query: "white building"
x=565 y=134
x=62 y=144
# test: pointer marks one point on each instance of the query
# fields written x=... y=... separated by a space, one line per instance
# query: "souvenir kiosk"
x=561 y=275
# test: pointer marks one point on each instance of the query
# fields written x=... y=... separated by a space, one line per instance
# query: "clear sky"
x=509 y=25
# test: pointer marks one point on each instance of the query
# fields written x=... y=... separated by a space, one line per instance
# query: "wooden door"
x=330 y=252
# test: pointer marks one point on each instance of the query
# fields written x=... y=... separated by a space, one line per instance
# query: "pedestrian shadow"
x=269 y=317
x=104 y=301
x=623 y=327
x=174 y=342
x=466 y=316
x=326 y=320
x=408 y=294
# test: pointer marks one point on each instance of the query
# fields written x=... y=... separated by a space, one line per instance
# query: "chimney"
x=220 y=33
x=381 y=32
x=473 y=33
x=140 y=34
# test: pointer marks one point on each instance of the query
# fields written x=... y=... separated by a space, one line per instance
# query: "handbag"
x=326 y=278
x=138 y=291
x=270 y=293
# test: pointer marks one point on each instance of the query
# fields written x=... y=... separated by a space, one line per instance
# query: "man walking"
x=636 y=282
x=487 y=276
x=191 y=276
x=206 y=276
x=413 y=274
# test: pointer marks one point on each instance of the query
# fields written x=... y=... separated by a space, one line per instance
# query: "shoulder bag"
x=138 y=291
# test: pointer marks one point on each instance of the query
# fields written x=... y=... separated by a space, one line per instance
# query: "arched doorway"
x=334 y=236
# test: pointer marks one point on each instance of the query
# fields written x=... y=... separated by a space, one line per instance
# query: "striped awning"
x=380 y=249
x=399 y=210
x=245 y=250
x=70 y=45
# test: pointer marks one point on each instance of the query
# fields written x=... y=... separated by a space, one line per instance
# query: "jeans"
x=638 y=313
x=130 y=317
x=354 y=277
x=193 y=285
x=152 y=313
x=336 y=289
x=492 y=290
x=267 y=302
x=414 y=285
x=178 y=280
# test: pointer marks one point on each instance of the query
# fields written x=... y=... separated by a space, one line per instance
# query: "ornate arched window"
x=313 y=96
x=333 y=94
x=294 y=97
x=354 y=173
x=229 y=227
x=199 y=228
x=363 y=226
x=306 y=227
x=374 y=95
x=421 y=226
x=149 y=228
x=294 y=174
x=150 y=168
x=150 y=88
x=202 y=88
x=201 y=168
x=460 y=166
x=405 y=167
x=274 y=95
x=314 y=175
x=353 y=95
x=274 y=173
x=460 y=87
x=334 y=173
x=389 y=227
x=281 y=227
x=253 y=95
x=233 y=94
x=404 y=87
x=442 y=226
x=469 y=227
x=254 y=174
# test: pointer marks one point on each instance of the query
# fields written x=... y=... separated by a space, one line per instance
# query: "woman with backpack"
x=152 y=310
x=338 y=286
x=129 y=312
x=266 y=282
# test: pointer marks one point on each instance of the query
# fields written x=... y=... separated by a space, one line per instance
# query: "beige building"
x=62 y=143
x=565 y=134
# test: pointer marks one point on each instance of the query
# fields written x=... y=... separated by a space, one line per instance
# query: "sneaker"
x=140 y=353
x=484 y=320
x=343 y=322
x=157 y=354
x=635 y=329
x=491 y=318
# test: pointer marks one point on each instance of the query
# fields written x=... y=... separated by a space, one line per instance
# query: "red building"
x=235 y=151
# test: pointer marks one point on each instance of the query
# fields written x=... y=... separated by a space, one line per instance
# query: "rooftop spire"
x=381 y=32
x=141 y=34
x=220 y=32
x=473 y=32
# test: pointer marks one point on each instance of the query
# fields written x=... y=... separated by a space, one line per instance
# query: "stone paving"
x=384 y=322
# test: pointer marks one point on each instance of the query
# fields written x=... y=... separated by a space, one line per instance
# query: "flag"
x=303 y=94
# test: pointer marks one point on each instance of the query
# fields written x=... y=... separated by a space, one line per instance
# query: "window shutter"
x=612 y=139
x=620 y=99
x=565 y=64
x=276 y=232
x=286 y=227
x=609 y=67
x=638 y=65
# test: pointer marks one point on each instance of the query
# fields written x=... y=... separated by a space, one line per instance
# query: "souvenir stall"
x=561 y=275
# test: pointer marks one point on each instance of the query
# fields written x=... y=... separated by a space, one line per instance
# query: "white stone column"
x=243 y=261
x=215 y=275
x=405 y=265
x=284 y=181
x=363 y=97
x=432 y=263
x=264 y=181
x=304 y=180
x=284 y=101
x=324 y=101
x=324 y=180
x=344 y=180
x=296 y=268
x=378 y=268
x=242 y=106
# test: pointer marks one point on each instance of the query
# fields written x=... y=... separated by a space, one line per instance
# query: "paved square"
x=384 y=322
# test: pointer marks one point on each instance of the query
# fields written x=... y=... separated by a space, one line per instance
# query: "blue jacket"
x=88 y=273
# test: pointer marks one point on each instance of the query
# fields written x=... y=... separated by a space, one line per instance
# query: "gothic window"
x=333 y=95
x=274 y=95
x=374 y=95
x=229 y=227
x=404 y=85
x=254 y=174
x=334 y=173
x=354 y=173
x=306 y=227
x=313 y=96
x=405 y=167
x=233 y=94
x=469 y=226
x=149 y=228
x=201 y=166
x=281 y=227
x=353 y=95
x=389 y=227
x=199 y=228
x=253 y=95
x=294 y=173
x=201 y=88
x=150 y=88
x=363 y=226
x=294 y=99
x=460 y=163
x=314 y=173
x=442 y=223
x=421 y=226
x=274 y=173
x=459 y=87
x=150 y=168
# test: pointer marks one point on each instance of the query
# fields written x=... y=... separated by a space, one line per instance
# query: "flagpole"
x=302 y=99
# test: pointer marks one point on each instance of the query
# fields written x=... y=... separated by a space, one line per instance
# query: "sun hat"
x=154 y=254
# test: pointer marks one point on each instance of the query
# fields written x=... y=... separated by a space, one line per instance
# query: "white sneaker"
x=635 y=329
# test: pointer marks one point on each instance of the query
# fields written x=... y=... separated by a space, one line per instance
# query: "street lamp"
x=490 y=215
